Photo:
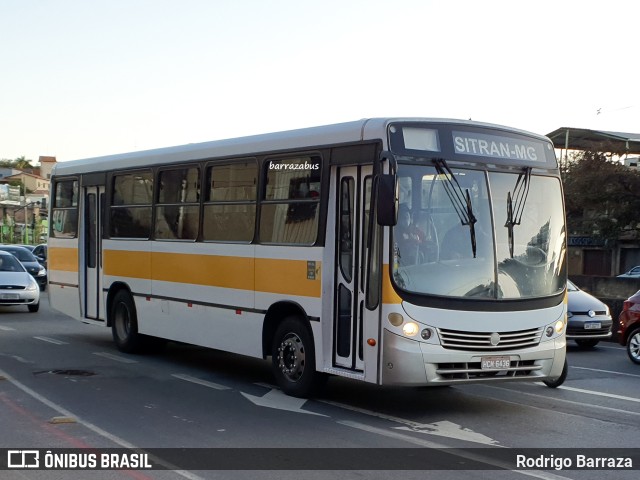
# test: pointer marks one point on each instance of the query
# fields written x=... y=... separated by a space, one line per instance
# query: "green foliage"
x=602 y=196
x=21 y=163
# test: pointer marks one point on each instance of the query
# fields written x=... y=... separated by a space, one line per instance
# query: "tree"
x=21 y=163
x=602 y=197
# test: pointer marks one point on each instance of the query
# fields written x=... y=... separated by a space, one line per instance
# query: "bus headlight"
x=556 y=328
x=410 y=329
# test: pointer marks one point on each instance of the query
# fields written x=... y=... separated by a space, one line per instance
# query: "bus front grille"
x=473 y=370
x=489 y=341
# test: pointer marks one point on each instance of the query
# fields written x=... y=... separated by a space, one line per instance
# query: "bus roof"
x=348 y=132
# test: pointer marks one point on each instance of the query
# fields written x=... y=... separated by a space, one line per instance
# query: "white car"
x=17 y=286
x=633 y=273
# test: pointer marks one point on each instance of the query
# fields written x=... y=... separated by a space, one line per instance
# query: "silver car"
x=589 y=319
x=17 y=286
x=633 y=273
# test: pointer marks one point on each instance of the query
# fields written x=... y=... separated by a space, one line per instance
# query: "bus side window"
x=230 y=202
x=130 y=211
x=178 y=209
x=64 y=222
x=290 y=212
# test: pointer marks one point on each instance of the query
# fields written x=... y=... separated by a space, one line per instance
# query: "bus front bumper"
x=413 y=363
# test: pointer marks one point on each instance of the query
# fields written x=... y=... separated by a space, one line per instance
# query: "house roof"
x=47 y=159
x=23 y=174
x=596 y=140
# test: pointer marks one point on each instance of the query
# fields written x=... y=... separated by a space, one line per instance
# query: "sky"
x=89 y=78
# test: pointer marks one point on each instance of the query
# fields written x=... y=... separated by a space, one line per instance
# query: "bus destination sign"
x=496 y=146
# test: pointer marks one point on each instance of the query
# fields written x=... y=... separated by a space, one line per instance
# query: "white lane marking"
x=563 y=400
x=51 y=340
x=447 y=449
x=451 y=430
x=16 y=357
x=94 y=428
x=279 y=401
x=7 y=329
x=605 y=371
x=117 y=358
x=189 y=378
x=444 y=428
x=601 y=394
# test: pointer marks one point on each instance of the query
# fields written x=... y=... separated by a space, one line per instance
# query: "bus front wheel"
x=124 y=323
x=556 y=382
x=293 y=359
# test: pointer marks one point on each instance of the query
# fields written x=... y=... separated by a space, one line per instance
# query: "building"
x=589 y=254
x=22 y=215
x=46 y=166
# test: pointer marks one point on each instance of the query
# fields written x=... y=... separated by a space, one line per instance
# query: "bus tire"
x=124 y=323
x=293 y=359
x=556 y=382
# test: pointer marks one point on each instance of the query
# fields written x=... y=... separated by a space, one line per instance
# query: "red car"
x=629 y=329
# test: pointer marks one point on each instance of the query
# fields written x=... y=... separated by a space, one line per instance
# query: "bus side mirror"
x=387 y=200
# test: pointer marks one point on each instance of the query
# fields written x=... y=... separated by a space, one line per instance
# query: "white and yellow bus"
x=393 y=251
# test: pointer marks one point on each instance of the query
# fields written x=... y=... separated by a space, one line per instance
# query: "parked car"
x=589 y=319
x=40 y=252
x=629 y=327
x=633 y=273
x=17 y=286
x=30 y=263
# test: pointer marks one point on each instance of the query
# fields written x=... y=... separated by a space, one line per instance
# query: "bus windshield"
x=466 y=232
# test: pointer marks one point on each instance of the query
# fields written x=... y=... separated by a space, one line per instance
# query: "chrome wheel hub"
x=291 y=357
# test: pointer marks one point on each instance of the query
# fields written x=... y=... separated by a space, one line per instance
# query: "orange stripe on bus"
x=121 y=263
x=63 y=259
x=210 y=270
x=287 y=277
x=389 y=295
x=264 y=275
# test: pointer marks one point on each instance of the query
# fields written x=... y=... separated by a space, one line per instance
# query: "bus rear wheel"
x=124 y=323
x=293 y=359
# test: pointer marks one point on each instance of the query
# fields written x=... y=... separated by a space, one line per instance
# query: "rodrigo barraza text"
x=577 y=462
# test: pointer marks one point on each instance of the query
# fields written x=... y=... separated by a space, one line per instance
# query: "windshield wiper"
x=516 y=203
x=460 y=199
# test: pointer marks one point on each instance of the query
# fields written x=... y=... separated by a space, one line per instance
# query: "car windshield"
x=9 y=263
x=457 y=234
x=21 y=254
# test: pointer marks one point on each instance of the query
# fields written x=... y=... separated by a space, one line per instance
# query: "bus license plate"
x=592 y=326
x=495 y=363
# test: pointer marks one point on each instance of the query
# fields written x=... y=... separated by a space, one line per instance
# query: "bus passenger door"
x=352 y=224
x=91 y=244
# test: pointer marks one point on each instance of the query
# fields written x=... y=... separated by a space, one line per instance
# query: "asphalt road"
x=65 y=386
